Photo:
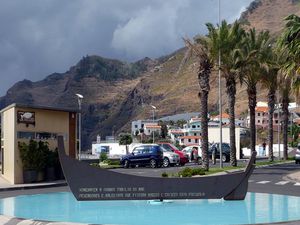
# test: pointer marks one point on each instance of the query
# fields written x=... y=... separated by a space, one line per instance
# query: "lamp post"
x=278 y=125
x=79 y=97
x=220 y=94
x=153 y=107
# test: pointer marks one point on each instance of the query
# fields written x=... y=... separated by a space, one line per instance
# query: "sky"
x=38 y=38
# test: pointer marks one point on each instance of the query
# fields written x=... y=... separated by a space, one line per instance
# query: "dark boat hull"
x=91 y=183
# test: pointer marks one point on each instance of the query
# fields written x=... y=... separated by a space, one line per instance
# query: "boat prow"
x=90 y=183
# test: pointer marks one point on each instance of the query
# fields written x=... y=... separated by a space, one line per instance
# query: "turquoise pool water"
x=62 y=206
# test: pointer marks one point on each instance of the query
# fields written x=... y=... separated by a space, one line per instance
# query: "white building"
x=147 y=126
x=190 y=140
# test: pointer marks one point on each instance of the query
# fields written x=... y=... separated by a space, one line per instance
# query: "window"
x=276 y=121
x=46 y=136
x=195 y=134
x=258 y=121
x=193 y=126
x=25 y=135
x=189 y=140
x=258 y=114
x=136 y=126
x=196 y=140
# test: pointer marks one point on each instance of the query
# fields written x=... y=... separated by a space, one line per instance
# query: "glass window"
x=189 y=140
x=25 y=135
x=46 y=136
x=137 y=150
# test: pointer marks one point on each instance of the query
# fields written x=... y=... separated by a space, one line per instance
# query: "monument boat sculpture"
x=89 y=183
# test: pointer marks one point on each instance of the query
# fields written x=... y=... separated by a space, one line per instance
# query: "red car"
x=183 y=157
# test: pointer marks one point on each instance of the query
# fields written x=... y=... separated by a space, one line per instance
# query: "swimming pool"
x=62 y=206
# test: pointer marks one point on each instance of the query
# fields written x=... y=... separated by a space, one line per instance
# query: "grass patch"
x=265 y=163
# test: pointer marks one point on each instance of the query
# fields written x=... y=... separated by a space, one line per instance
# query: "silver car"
x=170 y=158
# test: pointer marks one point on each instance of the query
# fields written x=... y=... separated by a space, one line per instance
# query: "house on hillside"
x=262 y=115
x=145 y=126
x=190 y=140
x=224 y=116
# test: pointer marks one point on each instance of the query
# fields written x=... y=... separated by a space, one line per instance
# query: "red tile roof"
x=153 y=126
x=261 y=109
x=223 y=115
x=190 y=137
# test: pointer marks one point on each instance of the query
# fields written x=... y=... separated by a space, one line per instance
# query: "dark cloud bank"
x=38 y=38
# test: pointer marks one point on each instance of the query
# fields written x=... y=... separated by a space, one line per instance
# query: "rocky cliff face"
x=115 y=92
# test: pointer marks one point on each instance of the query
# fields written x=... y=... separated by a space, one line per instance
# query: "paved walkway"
x=6 y=186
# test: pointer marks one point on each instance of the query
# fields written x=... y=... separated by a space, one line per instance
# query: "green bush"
x=33 y=155
x=188 y=172
x=103 y=157
x=198 y=171
x=164 y=174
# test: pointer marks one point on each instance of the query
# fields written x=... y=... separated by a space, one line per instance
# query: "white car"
x=170 y=158
x=188 y=150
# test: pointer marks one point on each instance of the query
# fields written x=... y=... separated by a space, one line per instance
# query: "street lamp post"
x=220 y=94
x=278 y=125
x=153 y=107
x=79 y=97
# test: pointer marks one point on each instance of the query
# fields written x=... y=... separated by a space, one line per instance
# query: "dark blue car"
x=144 y=155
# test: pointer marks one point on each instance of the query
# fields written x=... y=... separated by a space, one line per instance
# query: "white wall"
x=114 y=148
x=214 y=136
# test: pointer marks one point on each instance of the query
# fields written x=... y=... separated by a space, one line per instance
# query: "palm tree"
x=200 y=49
x=289 y=44
x=250 y=59
x=269 y=81
x=289 y=41
x=224 y=41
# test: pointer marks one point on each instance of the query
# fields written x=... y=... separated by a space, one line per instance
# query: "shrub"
x=103 y=157
x=33 y=155
x=188 y=172
x=164 y=174
x=198 y=171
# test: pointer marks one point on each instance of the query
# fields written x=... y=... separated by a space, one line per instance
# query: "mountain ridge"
x=117 y=92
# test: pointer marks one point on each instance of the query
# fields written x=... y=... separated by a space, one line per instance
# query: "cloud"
x=42 y=37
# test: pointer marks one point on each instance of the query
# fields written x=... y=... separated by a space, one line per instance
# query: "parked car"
x=183 y=157
x=225 y=151
x=170 y=158
x=191 y=155
x=144 y=155
x=297 y=155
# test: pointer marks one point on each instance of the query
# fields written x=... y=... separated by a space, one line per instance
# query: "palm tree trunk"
x=285 y=116
x=203 y=79
x=251 y=90
x=231 y=92
x=271 y=105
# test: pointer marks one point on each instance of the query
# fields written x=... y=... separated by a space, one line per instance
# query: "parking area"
x=157 y=172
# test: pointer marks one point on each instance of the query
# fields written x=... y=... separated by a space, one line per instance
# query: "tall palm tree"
x=289 y=44
x=200 y=49
x=250 y=59
x=289 y=41
x=269 y=77
x=285 y=92
x=224 y=41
